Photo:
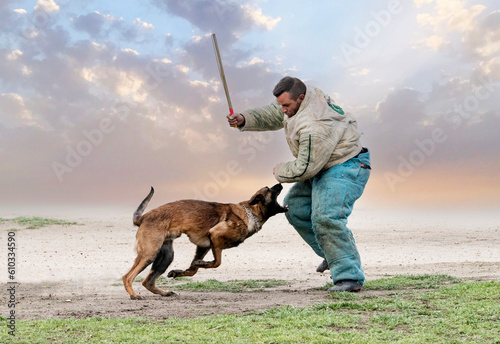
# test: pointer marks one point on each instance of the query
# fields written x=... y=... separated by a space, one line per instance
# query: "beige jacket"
x=320 y=135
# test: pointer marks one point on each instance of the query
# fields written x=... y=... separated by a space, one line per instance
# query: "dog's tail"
x=138 y=213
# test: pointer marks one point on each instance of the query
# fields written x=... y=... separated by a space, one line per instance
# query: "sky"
x=100 y=100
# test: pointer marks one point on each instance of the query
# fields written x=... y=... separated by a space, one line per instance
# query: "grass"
x=38 y=222
x=406 y=282
x=212 y=285
x=424 y=309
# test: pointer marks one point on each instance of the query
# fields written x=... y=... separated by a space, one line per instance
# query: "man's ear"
x=256 y=199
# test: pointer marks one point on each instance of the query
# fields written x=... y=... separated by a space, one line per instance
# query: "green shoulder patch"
x=336 y=108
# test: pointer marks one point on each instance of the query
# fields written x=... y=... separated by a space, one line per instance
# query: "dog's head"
x=268 y=198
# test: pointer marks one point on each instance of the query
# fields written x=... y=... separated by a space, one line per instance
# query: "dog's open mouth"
x=277 y=208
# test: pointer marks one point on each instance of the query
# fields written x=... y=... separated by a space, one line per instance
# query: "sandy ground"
x=75 y=271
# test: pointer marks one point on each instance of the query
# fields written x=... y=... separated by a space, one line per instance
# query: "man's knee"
x=328 y=223
x=298 y=212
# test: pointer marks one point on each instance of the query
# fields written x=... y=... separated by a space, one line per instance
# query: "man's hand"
x=235 y=120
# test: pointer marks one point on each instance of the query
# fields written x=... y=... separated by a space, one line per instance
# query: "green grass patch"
x=462 y=312
x=213 y=285
x=38 y=222
x=411 y=281
x=406 y=282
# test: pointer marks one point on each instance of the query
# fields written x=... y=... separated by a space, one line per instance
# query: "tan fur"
x=209 y=225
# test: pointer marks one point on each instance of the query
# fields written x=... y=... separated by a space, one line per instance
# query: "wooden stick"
x=222 y=75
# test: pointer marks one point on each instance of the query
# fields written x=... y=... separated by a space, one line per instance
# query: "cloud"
x=6 y=14
x=99 y=107
x=491 y=68
x=259 y=18
x=227 y=19
x=92 y=23
x=168 y=39
x=108 y=27
x=14 y=54
x=446 y=128
x=484 y=39
x=420 y=3
x=143 y=25
x=14 y=111
x=253 y=61
x=433 y=42
x=450 y=15
x=202 y=142
x=357 y=72
x=46 y=6
x=401 y=109
x=446 y=17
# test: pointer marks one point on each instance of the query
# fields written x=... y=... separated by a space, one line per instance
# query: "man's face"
x=289 y=106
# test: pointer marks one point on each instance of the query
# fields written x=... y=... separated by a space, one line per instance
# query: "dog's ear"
x=256 y=199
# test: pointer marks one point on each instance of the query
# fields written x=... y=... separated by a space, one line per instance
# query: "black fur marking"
x=163 y=258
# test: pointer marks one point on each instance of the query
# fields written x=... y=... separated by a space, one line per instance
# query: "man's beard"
x=294 y=111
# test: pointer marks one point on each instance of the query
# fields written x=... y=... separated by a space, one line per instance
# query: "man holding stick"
x=330 y=173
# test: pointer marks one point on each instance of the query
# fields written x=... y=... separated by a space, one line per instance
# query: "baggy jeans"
x=318 y=210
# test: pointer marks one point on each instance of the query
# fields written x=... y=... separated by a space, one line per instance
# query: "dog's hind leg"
x=201 y=252
x=160 y=265
x=148 y=247
x=141 y=262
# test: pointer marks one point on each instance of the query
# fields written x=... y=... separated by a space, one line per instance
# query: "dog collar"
x=253 y=218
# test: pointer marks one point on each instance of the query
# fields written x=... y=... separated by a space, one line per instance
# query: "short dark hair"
x=295 y=87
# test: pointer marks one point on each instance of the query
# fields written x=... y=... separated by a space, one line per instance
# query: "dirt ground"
x=75 y=271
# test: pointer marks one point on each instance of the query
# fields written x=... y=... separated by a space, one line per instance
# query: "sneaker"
x=347 y=285
x=323 y=266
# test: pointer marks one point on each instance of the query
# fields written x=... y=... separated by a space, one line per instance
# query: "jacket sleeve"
x=269 y=117
x=314 y=152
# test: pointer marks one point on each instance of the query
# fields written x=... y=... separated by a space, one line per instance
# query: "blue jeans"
x=318 y=210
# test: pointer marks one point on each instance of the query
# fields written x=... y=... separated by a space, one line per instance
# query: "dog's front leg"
x=201 y=252
x=217 y=252
x=218 y=239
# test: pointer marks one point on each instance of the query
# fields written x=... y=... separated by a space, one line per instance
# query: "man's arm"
x=269 y=117
x=315 y=150
x=314 y=153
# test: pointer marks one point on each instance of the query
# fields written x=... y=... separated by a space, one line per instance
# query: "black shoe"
x=323 y=266
x=347 y=285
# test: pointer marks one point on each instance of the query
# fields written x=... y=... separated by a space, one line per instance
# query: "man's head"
x=290 y=93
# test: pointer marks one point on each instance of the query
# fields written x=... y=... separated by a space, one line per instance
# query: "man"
x=330 y=172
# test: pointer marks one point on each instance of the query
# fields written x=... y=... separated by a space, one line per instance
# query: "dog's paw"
x=175 y=273
x=136 y=297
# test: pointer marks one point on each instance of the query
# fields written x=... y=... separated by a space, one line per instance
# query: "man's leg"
x=333 y=196
x=298 y=200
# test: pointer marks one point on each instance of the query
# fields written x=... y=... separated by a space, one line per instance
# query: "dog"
x=209 y=225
